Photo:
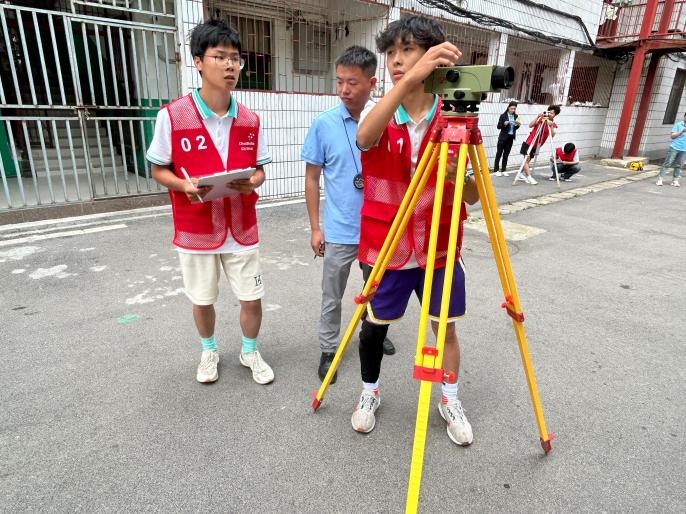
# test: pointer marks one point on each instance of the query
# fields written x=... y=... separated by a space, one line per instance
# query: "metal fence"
x=79 y=95
x=622 y=20
x=81 y=83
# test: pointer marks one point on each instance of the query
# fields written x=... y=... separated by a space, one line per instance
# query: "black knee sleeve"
x=371 y=350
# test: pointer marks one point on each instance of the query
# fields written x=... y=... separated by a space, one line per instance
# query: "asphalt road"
x=100 y=410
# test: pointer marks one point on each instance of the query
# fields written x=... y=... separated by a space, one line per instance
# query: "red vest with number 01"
x=386 y=172
x=204 y=226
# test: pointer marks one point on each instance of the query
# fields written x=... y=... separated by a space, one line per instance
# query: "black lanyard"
x=358 y=182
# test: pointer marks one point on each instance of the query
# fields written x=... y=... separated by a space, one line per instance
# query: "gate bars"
x=79 y=97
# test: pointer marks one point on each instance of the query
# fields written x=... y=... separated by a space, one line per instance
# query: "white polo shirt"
x=219 y=128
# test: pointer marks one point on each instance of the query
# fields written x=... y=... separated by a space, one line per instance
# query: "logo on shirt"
x=248 y=145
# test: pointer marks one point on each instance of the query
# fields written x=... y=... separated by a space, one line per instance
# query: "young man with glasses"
x=202 y=133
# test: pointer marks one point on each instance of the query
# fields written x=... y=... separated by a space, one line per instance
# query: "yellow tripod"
x=450 y=130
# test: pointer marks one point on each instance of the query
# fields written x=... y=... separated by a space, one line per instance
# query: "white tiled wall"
x=286 y=118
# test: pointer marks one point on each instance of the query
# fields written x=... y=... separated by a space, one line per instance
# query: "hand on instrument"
x=445 y=54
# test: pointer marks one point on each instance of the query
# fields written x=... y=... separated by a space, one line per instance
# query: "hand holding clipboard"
x=219 y=185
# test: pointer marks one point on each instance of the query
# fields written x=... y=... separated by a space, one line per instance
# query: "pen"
x=185 y=174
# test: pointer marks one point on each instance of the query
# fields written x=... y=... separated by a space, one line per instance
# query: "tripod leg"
x=391 y=242
x=552 y=152
x=437 y=353
x=512 y=304
x=533 y=164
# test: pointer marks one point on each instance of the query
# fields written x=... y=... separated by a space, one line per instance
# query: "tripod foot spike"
x=315 y=403
x=546 y=445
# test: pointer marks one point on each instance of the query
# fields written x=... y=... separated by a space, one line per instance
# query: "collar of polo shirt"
x=402 y=117
x=206 y=112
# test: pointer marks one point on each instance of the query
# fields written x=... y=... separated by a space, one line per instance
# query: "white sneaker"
x=506 y=173
x=363 y=419
x=531 y=180
x=498 y=174
x=659 y=181
x=207 y=369
x=675 y=182
x=459 y=429
x=261 y=372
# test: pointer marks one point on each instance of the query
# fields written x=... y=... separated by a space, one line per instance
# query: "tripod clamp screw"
x=508 y=305
x=431 y=374
x=364 y=298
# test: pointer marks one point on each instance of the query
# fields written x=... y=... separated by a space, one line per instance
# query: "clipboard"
x=219 y=182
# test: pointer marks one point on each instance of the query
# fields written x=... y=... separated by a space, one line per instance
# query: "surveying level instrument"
x=466 y=86
x=456 y=127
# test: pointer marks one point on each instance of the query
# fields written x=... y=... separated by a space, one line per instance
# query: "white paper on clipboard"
x=219 y=182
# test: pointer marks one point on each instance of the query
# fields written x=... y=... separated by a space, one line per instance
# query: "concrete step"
x=67 y=166
x=623 y=162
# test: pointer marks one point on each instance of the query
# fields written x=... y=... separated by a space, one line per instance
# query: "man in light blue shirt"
x=676 y=152
x=330 y=147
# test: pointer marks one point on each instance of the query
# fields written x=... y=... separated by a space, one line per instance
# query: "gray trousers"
x=337 y=261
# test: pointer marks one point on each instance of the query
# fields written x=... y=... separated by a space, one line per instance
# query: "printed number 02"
x=186 y=144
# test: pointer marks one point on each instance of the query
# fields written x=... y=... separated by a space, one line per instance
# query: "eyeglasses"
x=220 y=59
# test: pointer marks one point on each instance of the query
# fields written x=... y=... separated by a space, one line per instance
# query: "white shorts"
x=201 y=273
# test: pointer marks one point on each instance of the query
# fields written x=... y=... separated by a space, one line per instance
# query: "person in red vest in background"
x=541 y=125
x=567 y=159
x=205 y=132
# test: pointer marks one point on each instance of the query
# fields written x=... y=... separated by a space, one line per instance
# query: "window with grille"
x=583 y=84
x=256 y=40
x=675 y=97
x=311 y=47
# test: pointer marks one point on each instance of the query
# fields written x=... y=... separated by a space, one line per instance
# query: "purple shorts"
x=393 y=294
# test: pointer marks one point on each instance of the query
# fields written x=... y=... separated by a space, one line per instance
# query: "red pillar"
x=667 y=11
x=644 y=104
x=634 y=80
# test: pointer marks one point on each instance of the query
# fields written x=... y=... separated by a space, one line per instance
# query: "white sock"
x=371 y=387
x=448 y=392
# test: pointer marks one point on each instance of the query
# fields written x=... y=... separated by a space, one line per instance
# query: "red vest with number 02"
x=567 y=157
x=386 y=172
x=204 y=226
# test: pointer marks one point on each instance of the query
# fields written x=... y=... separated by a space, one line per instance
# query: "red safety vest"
x=204 y=226
x=544 y=134
x=567 y=157
x=386 y=173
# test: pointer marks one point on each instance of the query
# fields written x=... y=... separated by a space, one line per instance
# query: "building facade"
x=82 y=80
